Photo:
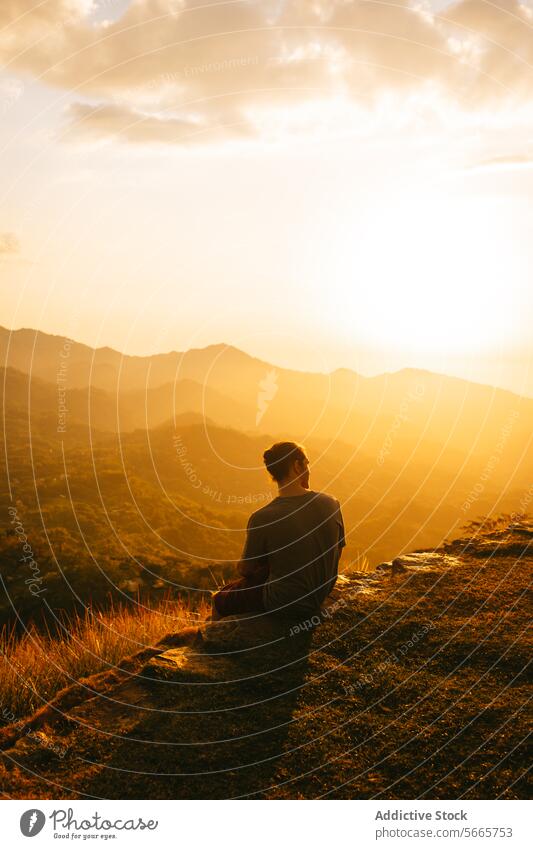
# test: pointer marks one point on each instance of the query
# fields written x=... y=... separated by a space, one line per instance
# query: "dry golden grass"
x=359 y=563
x=36 y=665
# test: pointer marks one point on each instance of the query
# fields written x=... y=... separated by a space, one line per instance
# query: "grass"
x=36 y=665
x=359 y=563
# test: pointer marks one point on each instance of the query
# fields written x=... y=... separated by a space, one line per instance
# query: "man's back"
x=300 y=537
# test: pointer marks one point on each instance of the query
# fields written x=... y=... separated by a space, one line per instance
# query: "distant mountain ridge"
x=39 y=353
x=409 y=416
x=235 y=389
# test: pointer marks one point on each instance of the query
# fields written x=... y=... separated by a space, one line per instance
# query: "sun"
x=432 y=272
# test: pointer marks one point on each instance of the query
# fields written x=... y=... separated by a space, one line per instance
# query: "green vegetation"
x=99 y=527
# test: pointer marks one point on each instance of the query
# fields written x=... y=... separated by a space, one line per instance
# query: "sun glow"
x=430 y=273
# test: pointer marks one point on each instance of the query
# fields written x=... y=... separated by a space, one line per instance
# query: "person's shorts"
x=239 y=596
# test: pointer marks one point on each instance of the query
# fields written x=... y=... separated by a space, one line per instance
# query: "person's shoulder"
x=326 y=499
x=258 y=515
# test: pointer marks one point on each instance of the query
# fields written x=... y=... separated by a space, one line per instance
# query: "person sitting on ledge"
x=289 y=564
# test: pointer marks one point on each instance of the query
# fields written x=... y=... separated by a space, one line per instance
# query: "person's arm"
x=253 y=569
x=342 y=533
x=253 y=562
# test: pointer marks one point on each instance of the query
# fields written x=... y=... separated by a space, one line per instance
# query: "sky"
x=322 y=184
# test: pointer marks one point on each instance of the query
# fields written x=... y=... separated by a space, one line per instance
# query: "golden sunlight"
x=430 y=272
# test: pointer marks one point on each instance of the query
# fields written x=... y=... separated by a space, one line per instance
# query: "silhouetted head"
x=287 y=463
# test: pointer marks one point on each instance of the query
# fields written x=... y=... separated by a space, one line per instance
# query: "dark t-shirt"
x=299 y=537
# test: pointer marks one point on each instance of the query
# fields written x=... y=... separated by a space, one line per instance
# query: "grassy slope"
x=444 y=718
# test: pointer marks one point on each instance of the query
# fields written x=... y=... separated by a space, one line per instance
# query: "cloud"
x=88 y=122
x=504 y=33
x=103 y=121
x=168 y=68
x=9 y=244
x=505 y=162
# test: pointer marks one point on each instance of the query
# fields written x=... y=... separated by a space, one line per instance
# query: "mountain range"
x=151 y=463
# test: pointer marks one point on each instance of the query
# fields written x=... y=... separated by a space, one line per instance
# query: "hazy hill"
x=43 y=355
x=416 y=686
x=388 y=416
x=125 y=411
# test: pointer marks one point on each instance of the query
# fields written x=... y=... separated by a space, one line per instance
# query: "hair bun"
x=280 y=456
